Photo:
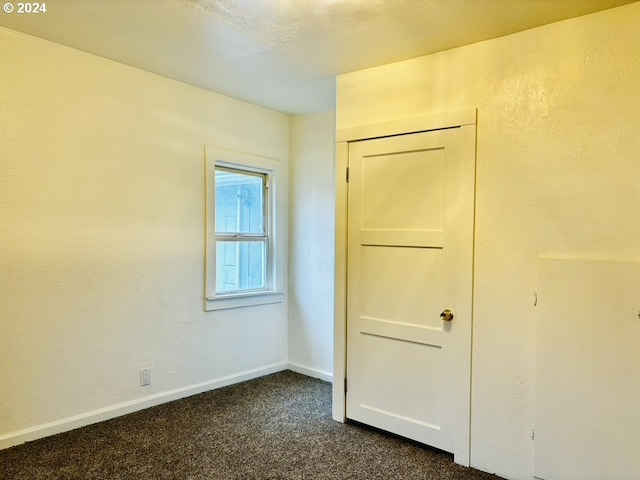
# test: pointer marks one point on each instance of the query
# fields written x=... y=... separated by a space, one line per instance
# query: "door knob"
x=447 y=315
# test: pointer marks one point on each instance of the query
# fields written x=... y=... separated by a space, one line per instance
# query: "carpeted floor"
x=275 y=427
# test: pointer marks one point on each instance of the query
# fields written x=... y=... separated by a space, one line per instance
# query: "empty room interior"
x=431 y=205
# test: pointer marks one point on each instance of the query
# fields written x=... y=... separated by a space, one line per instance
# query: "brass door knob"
x=447 y=315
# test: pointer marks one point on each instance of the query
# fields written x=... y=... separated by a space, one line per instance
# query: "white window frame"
x=274 y=201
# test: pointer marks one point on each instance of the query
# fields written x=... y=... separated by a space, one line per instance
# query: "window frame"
x=271 y=169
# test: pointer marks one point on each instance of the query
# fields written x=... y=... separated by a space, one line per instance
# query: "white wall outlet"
x=145 y=377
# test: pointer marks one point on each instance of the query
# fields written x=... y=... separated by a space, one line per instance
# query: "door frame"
x=466 y=120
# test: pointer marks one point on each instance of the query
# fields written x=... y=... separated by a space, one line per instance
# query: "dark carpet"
x=275 y=427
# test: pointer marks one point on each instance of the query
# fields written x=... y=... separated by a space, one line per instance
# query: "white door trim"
x=466 y=119
x=407 y=125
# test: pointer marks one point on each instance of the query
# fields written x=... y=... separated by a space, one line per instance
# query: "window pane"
x=239 y=202
x=240 y=266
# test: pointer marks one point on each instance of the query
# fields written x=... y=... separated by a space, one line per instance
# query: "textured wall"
x=557 y=174
x=102 y=219
x=311 y=246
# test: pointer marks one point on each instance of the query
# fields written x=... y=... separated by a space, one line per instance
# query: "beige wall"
x=101 y=250
x=311 y=244
x=557 y=174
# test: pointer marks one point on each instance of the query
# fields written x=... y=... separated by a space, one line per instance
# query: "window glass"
x=240 y=266
x=239 y=202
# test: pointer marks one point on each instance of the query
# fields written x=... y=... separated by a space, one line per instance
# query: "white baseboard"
x=310 y=372
x=70 y=423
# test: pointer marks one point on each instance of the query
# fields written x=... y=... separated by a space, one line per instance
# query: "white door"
x=410 y=242
x=587 y=361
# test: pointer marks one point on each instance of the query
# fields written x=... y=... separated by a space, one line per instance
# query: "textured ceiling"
x=282 y=54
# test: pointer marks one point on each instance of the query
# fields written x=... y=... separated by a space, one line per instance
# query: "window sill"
x=241 y=300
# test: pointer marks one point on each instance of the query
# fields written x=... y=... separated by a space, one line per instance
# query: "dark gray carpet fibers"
x=275 y=427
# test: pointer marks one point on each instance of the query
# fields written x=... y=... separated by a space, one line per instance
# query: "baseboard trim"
x=70 y=423
x=311 y=372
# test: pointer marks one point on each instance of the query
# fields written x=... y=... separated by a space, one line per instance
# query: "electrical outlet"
x=145 y=377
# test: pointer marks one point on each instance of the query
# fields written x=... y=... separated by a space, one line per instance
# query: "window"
x=242 y=239
x=242 y=255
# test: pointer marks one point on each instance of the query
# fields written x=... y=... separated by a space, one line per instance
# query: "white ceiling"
x=282 y=54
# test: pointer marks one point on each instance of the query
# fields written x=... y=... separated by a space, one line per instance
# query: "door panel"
x=382 y=379
x=403 y=239
x=417 y=298
x=587 y=362
x=397 y=185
